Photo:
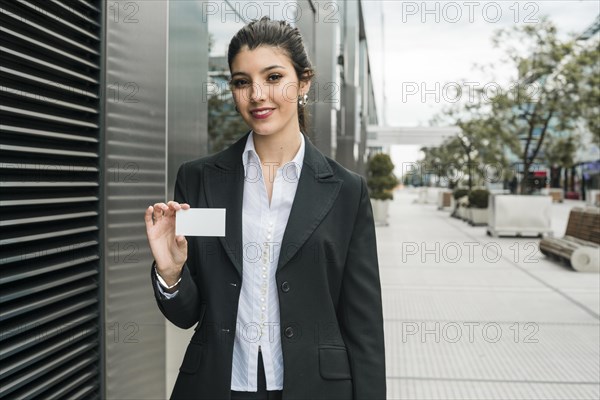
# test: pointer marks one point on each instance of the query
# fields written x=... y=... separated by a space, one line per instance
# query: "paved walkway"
x=468 y=316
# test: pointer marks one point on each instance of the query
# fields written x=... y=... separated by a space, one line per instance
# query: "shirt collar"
x=250 y=155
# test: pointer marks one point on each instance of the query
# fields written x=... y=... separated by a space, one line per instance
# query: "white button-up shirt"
x=263 y=226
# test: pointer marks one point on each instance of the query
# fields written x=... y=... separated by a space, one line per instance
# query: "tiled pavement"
x=468 y=316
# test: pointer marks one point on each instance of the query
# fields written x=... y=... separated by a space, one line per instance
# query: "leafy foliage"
x=225 y=126
x=561 y=151
x=553 y=91
x=458 y=193
x=381 y=179
x=555 y=88
x=477 y=154
x=478 y=198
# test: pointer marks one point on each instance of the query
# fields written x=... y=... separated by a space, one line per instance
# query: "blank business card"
x=200 y=222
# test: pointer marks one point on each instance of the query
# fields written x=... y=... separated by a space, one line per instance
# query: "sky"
x=422 y=52
x=431 y=45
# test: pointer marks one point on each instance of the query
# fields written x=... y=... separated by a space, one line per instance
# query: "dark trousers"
x=262 y=393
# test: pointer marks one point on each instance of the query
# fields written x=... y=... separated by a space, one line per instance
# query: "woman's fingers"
x=178 y=206
x=155 y=213
x=159 y=210
x=180 y=239
x=148 y=217
x=167 y=248
x=174 y=205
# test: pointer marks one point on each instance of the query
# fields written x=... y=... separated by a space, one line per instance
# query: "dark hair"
x=280 y=34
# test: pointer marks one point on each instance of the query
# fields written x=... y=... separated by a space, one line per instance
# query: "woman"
x=288 y=303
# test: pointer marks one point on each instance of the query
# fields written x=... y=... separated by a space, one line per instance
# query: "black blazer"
x=327 y=278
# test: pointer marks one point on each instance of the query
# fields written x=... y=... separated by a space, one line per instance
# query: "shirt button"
x=264 y=268
x=269 y=236
x=262 y=299
x=263 y=308
x=264 y=276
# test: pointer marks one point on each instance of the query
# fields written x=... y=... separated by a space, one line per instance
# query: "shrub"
x=458 y=193
x=478 y=198
x=381 y=180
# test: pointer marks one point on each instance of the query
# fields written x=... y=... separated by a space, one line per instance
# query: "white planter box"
x=432 y=195
x=519 y=215
x=461 y=212
x=478 y=216
x=422 y=199
x=460 y=207
x=591 y=198
x=380 y=211
x=428 y=195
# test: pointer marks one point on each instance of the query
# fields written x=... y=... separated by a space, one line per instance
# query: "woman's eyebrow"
x=262 y=71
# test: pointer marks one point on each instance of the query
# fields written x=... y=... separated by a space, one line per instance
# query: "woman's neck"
x=277 y=149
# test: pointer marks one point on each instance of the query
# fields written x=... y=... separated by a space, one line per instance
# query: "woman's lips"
x=262 y=114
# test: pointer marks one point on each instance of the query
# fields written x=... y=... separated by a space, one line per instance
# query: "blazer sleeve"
x=361 y=306
x=184 y=308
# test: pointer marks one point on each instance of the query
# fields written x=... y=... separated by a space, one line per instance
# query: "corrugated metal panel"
x=187 y=126
x=135 y=146
x=49 y=198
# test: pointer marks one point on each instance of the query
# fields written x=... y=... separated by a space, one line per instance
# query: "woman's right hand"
x=169 y=250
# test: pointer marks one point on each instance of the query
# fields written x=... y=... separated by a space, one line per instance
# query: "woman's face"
x=265 y=89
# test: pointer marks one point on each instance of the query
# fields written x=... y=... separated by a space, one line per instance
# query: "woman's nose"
x=257 y=93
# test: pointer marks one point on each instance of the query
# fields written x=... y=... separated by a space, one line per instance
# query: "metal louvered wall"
x=50 y=319
x=136 y=157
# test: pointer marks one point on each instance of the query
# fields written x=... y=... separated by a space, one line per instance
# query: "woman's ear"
x=304 y=87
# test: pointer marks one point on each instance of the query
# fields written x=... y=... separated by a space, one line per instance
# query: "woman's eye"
x=239 y=82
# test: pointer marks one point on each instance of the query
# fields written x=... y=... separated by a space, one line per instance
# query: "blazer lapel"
x=315 y=195
x=225 y=189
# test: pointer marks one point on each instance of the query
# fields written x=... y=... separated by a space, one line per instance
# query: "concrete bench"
x=580 y=247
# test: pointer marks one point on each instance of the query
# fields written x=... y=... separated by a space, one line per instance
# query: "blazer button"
x=285 y=287
x=289 y=332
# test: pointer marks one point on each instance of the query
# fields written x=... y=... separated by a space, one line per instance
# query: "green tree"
x=443 y=162
x=586 y=66
x=478 y=151
x=549 y=91
x=224 y=124
x=559 y=153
